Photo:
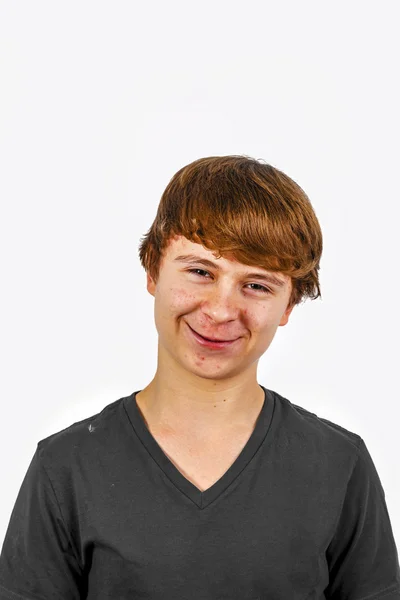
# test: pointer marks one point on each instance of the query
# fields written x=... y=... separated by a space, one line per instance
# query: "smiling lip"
x=211 y=343
x=211 y=339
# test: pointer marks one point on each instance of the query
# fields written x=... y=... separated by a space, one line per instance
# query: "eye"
x=263 y=289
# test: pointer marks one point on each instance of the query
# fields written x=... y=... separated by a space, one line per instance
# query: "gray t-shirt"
x=103 y=513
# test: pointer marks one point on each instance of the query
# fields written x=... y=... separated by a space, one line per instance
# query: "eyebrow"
x=186 y=258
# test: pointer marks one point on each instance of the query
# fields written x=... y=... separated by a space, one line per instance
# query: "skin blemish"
x=91 y=428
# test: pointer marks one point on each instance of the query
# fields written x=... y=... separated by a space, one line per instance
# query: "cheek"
x=180 y=296
x=256 y=318
x=256 y=313
x=266 y=317
x=177 y=300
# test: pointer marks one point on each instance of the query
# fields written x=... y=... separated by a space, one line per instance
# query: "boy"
x=206 y=485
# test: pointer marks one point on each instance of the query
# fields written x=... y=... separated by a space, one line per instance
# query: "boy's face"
x=224 y=304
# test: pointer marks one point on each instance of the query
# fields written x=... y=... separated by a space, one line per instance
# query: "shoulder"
x=310 y=435
x=83 y=441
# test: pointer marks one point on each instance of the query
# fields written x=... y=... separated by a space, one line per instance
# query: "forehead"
x=181 y=245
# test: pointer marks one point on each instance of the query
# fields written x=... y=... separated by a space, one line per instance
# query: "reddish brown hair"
x=242 y=209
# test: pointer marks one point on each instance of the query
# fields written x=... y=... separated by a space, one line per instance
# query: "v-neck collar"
x=186 y=487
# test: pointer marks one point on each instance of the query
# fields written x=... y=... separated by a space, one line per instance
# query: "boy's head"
x=254 y=224
x=243 y=209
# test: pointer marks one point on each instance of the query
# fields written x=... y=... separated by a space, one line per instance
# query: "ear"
x=151 y=286
x=286 y=315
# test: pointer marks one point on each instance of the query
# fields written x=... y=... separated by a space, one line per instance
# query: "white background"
x=100 y=104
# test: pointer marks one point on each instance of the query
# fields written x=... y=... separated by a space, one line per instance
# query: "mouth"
x=211 y=343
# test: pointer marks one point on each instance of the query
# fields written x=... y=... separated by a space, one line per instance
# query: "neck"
x=201 y=411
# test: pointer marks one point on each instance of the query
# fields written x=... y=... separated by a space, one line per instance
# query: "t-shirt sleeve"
x=362 y=555
x=37 y=558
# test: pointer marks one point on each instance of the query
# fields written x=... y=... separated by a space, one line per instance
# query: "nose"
x=221 y=307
